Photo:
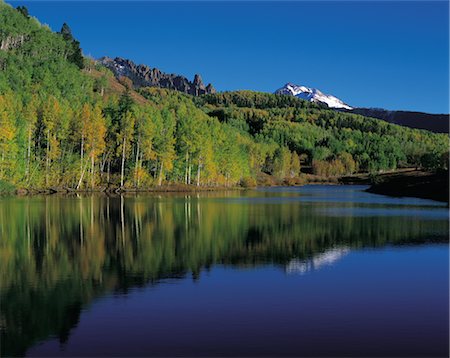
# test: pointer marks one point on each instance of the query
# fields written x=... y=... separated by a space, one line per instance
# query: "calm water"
x=311 y=271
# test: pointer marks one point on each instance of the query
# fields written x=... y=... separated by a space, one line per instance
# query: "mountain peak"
x=312 y=95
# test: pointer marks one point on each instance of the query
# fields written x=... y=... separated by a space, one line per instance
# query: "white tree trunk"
x=123 y=163
x=92 y=171
x=28 y=155
x=198 y=172
x=160 y=174
x=47 y=161
x=136 y=166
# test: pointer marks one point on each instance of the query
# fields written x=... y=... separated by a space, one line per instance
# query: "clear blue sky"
x=393 y=55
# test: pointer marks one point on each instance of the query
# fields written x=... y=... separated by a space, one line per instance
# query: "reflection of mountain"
x=57 y=255
x=316 y=262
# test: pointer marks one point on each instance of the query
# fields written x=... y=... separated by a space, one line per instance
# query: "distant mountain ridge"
x=144 y=76
x=438 y=123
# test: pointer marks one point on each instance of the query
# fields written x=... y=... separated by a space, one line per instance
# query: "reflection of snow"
x=323 y=259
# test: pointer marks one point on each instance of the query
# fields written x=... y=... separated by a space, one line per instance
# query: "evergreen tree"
x=75 y=55
x=66 y=33
x=23 y=10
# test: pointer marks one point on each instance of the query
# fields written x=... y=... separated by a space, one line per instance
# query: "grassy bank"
x=419 y=184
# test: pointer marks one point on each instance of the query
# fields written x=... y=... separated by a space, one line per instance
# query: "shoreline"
x=400 y=183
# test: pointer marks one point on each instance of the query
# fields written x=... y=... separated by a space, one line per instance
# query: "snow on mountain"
x=312 y=95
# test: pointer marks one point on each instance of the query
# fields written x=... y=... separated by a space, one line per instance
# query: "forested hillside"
x=66 y=122
x=333 y=142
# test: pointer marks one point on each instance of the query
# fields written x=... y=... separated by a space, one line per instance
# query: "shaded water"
x=311 y=271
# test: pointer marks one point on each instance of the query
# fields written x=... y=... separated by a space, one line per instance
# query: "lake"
x=304 y=271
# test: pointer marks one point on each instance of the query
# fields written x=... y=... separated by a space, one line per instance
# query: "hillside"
x=68 y=123
x=327 y=139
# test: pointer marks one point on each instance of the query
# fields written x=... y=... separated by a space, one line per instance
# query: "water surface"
x=310 y=271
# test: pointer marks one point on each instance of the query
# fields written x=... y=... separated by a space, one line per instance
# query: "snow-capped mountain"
x=312 y=95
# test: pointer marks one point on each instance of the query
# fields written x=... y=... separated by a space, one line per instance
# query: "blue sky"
x=385 y=54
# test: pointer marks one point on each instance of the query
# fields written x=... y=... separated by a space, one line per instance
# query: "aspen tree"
x=96 y=138
x=7 y=134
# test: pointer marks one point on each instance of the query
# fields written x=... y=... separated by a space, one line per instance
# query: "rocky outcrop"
x=144 y=76
x=11 y=42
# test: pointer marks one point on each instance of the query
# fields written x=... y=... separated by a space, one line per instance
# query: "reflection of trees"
x=58 y=254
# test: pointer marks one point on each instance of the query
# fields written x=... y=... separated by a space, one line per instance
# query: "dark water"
x=311 y=271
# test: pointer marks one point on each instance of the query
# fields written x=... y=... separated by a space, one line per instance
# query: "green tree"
x=165 y=144
x=51 y=113
x=144 y=133
x=95 y=138
x=30 y=115
x=281 y=162
x=125 y=137
x=84 y=128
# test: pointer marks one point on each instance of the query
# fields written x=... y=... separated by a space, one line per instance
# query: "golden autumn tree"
x=8 y=147
x=295 y=165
